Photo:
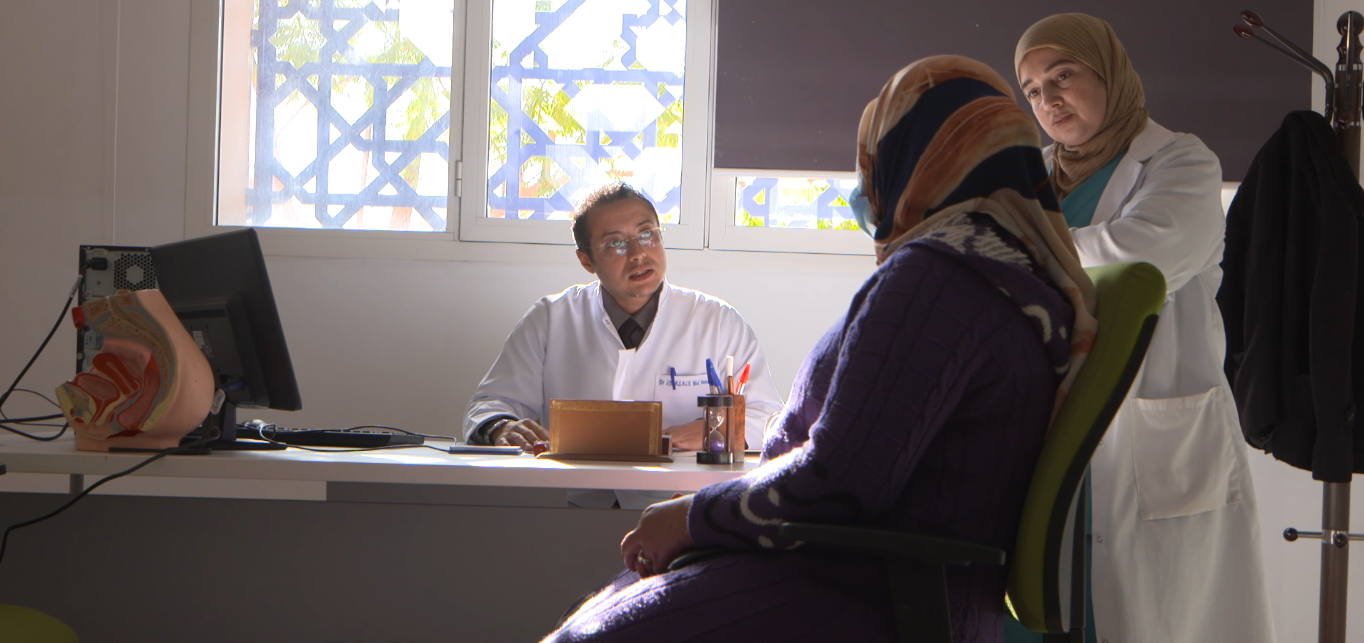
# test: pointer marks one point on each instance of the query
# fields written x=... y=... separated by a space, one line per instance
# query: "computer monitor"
x=220 y=290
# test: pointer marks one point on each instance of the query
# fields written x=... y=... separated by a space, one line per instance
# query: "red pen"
x=743 y=379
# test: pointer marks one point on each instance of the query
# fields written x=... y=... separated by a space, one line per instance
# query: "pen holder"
x=722 y=430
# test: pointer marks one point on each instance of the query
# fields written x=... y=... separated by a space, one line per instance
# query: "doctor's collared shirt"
x=644 y=316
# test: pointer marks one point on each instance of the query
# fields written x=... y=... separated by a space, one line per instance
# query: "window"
x=579 y=94
x=785 y=211
x=582 y=96
x=351 y=115
x=809 y=203
x=341 y=119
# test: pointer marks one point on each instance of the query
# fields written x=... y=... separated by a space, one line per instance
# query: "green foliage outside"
x=828 y=224
x=429 y=97
x=546 y=103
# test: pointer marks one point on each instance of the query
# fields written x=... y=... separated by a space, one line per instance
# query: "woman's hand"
x=659 y=538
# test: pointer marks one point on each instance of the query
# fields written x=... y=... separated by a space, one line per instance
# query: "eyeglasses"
x=619 y=245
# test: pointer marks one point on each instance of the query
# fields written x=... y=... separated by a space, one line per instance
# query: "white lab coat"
x=1176 y=545
x=565 y=347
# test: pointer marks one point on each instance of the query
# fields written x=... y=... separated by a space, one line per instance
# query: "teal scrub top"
x=1078 y=206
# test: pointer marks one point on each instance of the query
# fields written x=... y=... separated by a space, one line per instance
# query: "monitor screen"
x=219 y=288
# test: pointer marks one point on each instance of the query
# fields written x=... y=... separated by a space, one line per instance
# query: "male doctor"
x=630 y=335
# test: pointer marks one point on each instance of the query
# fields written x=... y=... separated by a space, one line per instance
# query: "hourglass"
x=715 y=439
x=717 y=430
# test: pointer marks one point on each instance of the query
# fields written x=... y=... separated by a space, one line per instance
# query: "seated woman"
x=922 y=411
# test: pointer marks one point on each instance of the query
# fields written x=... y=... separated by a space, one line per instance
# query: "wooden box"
x=606 y=430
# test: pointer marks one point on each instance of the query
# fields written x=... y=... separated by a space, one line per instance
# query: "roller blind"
x=794 y=75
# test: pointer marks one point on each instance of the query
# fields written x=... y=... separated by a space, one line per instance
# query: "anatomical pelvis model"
x=150 y=384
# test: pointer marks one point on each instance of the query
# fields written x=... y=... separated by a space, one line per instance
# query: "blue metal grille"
x=306 y=47
x=813 y=203
x=549 y=146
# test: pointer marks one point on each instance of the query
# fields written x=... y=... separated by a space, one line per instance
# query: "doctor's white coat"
x=565 y=347
x=1176 y=545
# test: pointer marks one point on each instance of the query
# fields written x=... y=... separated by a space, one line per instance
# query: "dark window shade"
x=795 y=75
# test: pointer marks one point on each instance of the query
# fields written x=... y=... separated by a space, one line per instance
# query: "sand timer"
x=716 y=432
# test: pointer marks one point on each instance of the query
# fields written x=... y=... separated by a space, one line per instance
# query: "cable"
x=14 y=386
x=36 y=418
x=394 y=428
x=390 y=447
x=273 y=429
x=37 y=437
x=29 y=390
x=33 y=421
x=25 y=390
x=69 y=298
x=26 y=421
x=4 y=540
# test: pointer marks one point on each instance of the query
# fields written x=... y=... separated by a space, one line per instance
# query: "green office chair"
x=1047 y=579
x=23 y=625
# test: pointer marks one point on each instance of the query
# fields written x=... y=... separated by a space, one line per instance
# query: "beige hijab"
x=1092 y=42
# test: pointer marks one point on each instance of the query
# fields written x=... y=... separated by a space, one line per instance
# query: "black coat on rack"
x=1295 y=357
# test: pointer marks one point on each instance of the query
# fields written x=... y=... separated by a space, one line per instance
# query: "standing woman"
x=1175 y=542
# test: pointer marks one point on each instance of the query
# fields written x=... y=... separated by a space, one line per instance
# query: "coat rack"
x=1343 y=110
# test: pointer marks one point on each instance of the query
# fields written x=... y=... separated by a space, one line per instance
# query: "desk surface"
x=409 y=466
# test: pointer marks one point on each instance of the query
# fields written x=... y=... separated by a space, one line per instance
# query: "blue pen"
x=673 y=373
x=713 y=377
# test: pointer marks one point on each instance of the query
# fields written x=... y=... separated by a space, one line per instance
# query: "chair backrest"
x=1129 y=297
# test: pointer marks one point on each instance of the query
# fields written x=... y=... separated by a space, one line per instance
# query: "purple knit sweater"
x=923 y=411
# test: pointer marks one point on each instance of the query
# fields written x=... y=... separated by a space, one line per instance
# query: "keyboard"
x=330 y=437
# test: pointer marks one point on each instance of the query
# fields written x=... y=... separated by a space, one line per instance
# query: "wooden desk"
x=301 y=473
x=409 y=545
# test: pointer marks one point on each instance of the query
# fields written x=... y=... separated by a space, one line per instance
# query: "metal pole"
x=1349 y=72
x=1335 y=496
x=1335 y=561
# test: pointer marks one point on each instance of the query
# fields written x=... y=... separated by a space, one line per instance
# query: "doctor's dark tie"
x=631 y=333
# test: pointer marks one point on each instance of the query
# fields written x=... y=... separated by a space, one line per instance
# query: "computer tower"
x=107 y=270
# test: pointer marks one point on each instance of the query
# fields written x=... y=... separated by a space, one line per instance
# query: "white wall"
x=93 y=151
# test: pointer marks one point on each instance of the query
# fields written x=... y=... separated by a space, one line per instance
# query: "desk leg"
x=77 y=483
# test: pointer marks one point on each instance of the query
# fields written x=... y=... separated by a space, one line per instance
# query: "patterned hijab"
x=1092 y=42
x=946 y=138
